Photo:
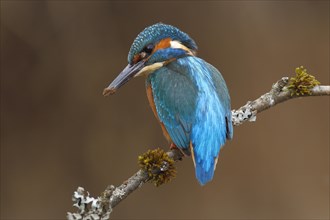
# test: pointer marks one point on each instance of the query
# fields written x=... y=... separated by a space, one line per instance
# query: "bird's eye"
x=148 y=49
x=144 y=53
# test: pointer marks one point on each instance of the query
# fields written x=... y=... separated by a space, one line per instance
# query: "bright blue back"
x=193 y=103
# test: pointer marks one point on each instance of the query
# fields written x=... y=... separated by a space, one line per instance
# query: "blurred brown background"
x=58 y=132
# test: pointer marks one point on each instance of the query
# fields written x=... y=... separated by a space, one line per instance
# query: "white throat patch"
x=145 y=71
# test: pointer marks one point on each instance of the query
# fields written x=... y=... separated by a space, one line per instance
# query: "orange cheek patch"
x=136 y=58
x=165 y=43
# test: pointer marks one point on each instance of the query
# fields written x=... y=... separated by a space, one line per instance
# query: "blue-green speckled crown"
x=155 y=33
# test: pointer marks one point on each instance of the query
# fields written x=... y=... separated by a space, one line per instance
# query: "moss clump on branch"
x=159 y=165
x=302 y=83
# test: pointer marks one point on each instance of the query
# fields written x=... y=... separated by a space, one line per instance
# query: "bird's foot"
x=173 y=146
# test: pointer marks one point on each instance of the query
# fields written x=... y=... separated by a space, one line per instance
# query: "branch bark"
x=101 y=207
x=278 y=94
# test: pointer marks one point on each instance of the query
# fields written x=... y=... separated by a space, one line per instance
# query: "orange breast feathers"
x=153 y=107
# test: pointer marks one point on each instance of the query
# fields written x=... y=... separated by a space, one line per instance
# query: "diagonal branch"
x=101 y=207
x=278 y=94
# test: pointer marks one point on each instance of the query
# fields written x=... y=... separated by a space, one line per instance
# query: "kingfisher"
x=187 y=95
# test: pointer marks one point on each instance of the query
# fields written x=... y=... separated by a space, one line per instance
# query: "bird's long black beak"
x=129 y=72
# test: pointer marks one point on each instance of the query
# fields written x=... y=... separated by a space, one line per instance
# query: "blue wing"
x=175 y=99
x=193 y=103
x=224 y=98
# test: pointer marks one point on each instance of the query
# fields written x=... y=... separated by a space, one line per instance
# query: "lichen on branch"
x=91 y=208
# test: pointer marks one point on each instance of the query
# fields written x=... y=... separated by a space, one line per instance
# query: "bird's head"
x=154 y=47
